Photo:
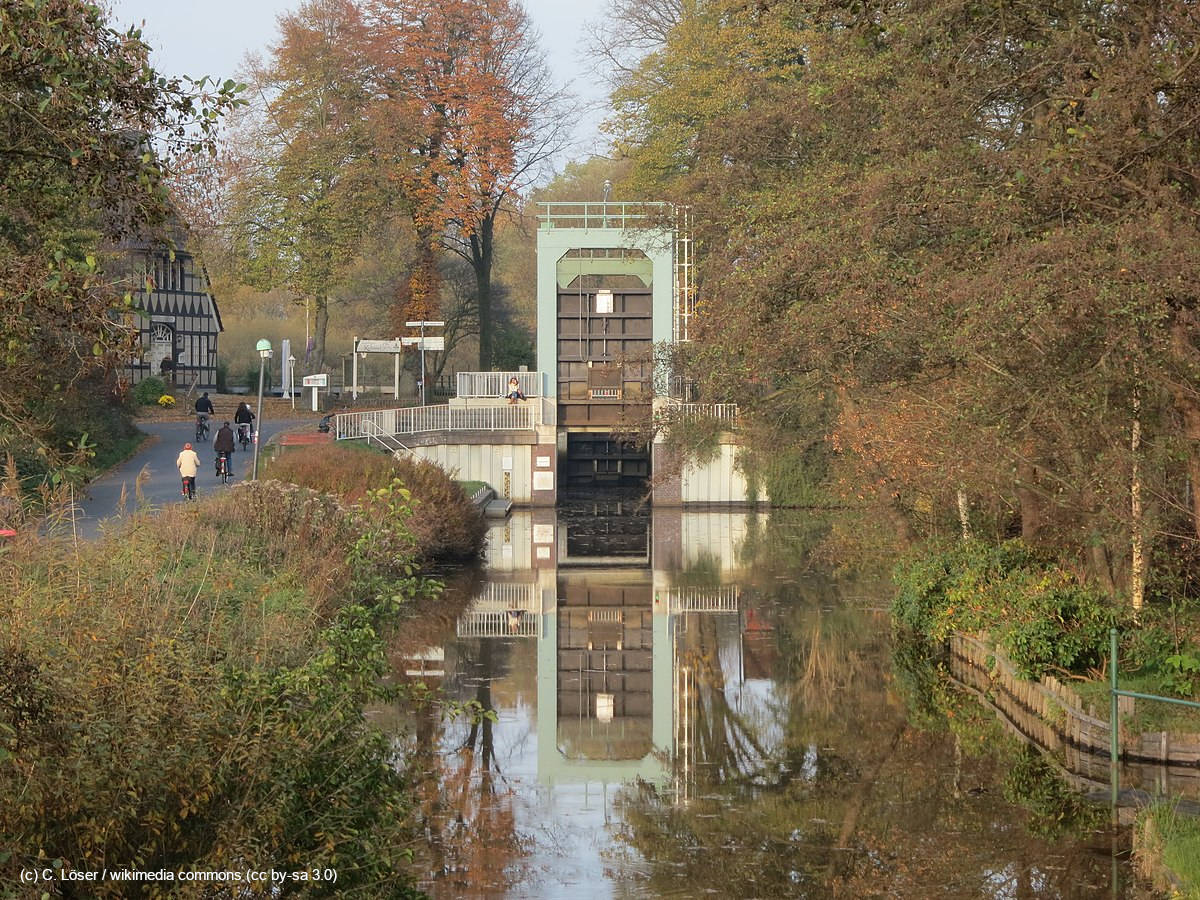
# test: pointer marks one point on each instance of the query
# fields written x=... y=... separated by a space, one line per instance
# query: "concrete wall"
x=716 y=481
x=526 y=474
x=506 y=467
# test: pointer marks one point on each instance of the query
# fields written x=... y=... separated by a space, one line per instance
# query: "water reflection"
x=687 y=703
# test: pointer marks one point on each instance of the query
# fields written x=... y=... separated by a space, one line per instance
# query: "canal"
x=709 y=703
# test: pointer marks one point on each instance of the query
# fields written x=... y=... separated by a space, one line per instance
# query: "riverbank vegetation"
x=444 y=522
x=1172 y=840
x=186 y=693
x=951 y=245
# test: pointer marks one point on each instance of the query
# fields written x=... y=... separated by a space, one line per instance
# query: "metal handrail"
x=600 y=214
x=722 y=412
x=1114 y=747
x=495 y=384
x=420 y=419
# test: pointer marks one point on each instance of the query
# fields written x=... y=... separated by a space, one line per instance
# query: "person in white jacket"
x=188 y=464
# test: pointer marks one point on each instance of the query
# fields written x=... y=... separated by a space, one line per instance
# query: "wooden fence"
x=1052 y=714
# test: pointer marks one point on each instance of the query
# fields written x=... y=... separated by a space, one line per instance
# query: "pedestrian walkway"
x=160 y=485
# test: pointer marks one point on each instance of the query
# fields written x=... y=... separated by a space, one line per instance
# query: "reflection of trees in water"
x=834 y=794
x=467 y=805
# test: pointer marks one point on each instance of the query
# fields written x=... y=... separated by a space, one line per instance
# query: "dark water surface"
x=698 y=704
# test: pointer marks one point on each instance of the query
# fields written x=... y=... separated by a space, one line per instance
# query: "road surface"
x=161 y=486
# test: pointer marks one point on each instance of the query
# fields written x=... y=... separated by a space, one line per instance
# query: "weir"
x=614 y=287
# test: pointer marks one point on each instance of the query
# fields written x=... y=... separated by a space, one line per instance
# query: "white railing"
x=388 y=441
x=721 y=412
x=573 y=214
x=418 y=419
x=704 y=600
x=495 y=384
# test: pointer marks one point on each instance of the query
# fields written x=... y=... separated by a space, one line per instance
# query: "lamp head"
x=264 y=348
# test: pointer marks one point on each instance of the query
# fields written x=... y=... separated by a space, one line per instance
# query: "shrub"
x=148 y=390
x=166 y=401
x=1042 y=616
x=189 y=692
x=444 y=522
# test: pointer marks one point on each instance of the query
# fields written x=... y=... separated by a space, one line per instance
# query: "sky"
x=186 y=42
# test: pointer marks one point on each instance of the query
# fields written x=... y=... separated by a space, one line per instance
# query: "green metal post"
x=1113 y=723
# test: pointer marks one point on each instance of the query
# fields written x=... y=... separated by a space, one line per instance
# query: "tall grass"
x=186 y=695
x=1172 y=839
x=444 y=521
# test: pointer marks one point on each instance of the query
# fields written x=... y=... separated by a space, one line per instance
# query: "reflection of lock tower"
x=604 y=679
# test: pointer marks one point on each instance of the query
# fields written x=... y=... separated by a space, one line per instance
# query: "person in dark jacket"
x=223 y=444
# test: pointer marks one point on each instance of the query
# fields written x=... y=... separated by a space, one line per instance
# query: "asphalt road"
x=161 y=485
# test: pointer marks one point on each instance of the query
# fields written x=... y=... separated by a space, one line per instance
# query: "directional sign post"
x=423 y=347
x=314 y=382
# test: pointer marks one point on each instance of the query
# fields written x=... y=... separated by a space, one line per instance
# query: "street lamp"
x=264 y=353
x=292 y=379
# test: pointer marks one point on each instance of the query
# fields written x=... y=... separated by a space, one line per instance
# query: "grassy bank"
x=1171 y=841
x=446 y=525
x=187 y=694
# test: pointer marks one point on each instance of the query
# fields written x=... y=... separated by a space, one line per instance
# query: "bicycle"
x=201 y=428
x=244 y=435
x=223 y=468
x=189 y=486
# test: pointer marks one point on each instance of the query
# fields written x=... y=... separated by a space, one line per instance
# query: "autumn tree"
x=467 y=117
x=89 y=134
x=303 y=185
x=967 y=225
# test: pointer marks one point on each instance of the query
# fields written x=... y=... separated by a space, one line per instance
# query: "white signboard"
x=543 y=534
x=543 y=481
x=365 y=346
x=321 y=380
x=429 y=343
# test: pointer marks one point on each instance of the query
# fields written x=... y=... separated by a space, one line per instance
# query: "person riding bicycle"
x=204 y=409
x=223 y=444
x=244 y=416
x=188 y=464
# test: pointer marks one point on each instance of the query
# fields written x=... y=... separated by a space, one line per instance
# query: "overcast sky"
x=213 y=38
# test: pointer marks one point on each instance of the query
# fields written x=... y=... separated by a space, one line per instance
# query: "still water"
x=699 y=704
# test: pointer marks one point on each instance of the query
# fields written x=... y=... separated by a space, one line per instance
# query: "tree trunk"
x=1189 y=410
x=964 y=513
x=1137 y=563
x=481 y=262
x=1031 y=513
x=320 y=329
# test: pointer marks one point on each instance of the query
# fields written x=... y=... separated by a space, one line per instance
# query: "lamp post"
x=292 y=379
x=264 y=353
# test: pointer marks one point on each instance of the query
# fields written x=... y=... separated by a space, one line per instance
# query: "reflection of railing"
x=704 y=600
x=495 y=384
x=417 y=419
x=502 y=609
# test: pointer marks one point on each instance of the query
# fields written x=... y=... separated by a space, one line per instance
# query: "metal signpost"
x=315 y=382
x=365 y=346
x=431 y=344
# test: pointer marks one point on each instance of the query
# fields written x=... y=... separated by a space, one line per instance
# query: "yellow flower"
x=166 y=401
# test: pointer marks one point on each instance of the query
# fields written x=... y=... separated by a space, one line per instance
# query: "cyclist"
x=244 y=416
x=204 y=409
x=188 y=464
x=223 y=444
